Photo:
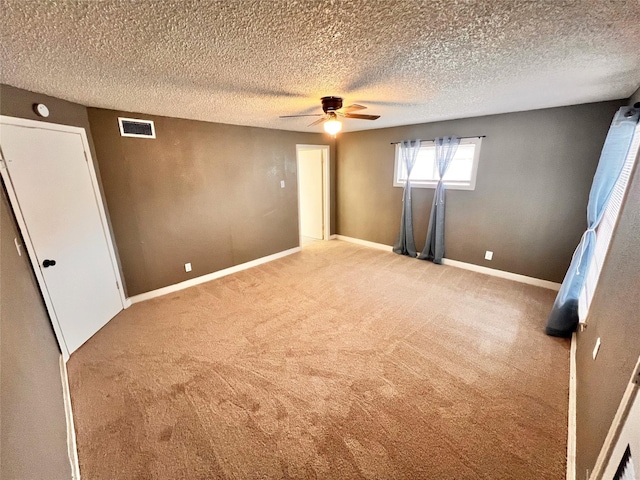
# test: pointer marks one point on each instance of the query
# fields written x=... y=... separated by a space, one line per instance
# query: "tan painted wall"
x=529 y=205
x=614 y=317
x=203 y=193
x=33 y=434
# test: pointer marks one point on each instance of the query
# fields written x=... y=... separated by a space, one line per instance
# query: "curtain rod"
x=433 y=139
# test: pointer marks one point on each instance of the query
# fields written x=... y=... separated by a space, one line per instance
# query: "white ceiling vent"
x=132 y=127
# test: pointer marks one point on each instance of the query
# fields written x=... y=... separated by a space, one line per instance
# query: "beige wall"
x=614 y=317
x=33 y=431
x=204 y=193
x=529 y=205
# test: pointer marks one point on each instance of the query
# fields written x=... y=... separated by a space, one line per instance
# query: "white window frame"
x=451 y=185
x=607 y=227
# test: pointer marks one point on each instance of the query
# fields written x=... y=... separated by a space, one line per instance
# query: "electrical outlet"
x=488 y=255
x=187 y=267
x=281 y=183
x=596 y=348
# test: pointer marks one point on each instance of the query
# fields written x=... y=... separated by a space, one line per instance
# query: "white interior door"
x=51 y=179
x=310 y=186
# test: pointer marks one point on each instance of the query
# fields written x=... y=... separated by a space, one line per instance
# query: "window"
x=461 y=174
x=605 y=229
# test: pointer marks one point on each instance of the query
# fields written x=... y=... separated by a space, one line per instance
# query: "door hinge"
x=86 y=159
x=117 y=285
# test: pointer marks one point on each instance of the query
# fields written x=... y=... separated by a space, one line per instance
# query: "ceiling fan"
x=332 y=108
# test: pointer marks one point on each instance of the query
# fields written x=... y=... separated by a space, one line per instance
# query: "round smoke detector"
x=41 y=109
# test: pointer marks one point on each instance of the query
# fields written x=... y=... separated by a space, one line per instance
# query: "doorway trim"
x=15 y=205
x=326 y=188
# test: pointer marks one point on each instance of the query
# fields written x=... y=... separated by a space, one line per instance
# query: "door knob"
x=48 y=263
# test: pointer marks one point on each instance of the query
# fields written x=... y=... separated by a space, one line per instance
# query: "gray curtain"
x=434 y=246
x=405 y=244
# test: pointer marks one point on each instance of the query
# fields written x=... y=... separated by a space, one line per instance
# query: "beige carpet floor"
x=339 y=362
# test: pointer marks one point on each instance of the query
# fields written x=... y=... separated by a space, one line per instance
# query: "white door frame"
x=15 y=205
x=326 y=188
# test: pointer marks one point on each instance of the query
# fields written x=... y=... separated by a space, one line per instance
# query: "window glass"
x=461 y=173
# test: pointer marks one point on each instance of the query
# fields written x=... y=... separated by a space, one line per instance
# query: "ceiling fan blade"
x=361 y=117
x=320 y=120
x=294 y=116
x=353 y=107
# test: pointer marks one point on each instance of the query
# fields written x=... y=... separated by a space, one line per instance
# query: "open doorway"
x=313 y=193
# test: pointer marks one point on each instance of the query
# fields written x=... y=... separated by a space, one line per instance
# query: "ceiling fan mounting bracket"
x=331 y=104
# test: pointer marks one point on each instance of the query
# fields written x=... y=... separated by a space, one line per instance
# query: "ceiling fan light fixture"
x=332 y=108
x=332 y=126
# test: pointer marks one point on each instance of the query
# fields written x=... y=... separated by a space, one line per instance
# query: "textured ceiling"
x=248 y=61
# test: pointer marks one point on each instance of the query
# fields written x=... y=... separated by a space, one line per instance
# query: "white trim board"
x=467 y=266
x=210 y=276
x=366 y=243
x=571 y=428
x=516 y=277
x=72 y=447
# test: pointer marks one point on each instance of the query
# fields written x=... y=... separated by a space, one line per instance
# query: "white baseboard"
x=366 y=243
x=571 y=428
x=72 y=447
x=516 y=277
x=467 y=266
x=210 y=276
x=333 y=236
